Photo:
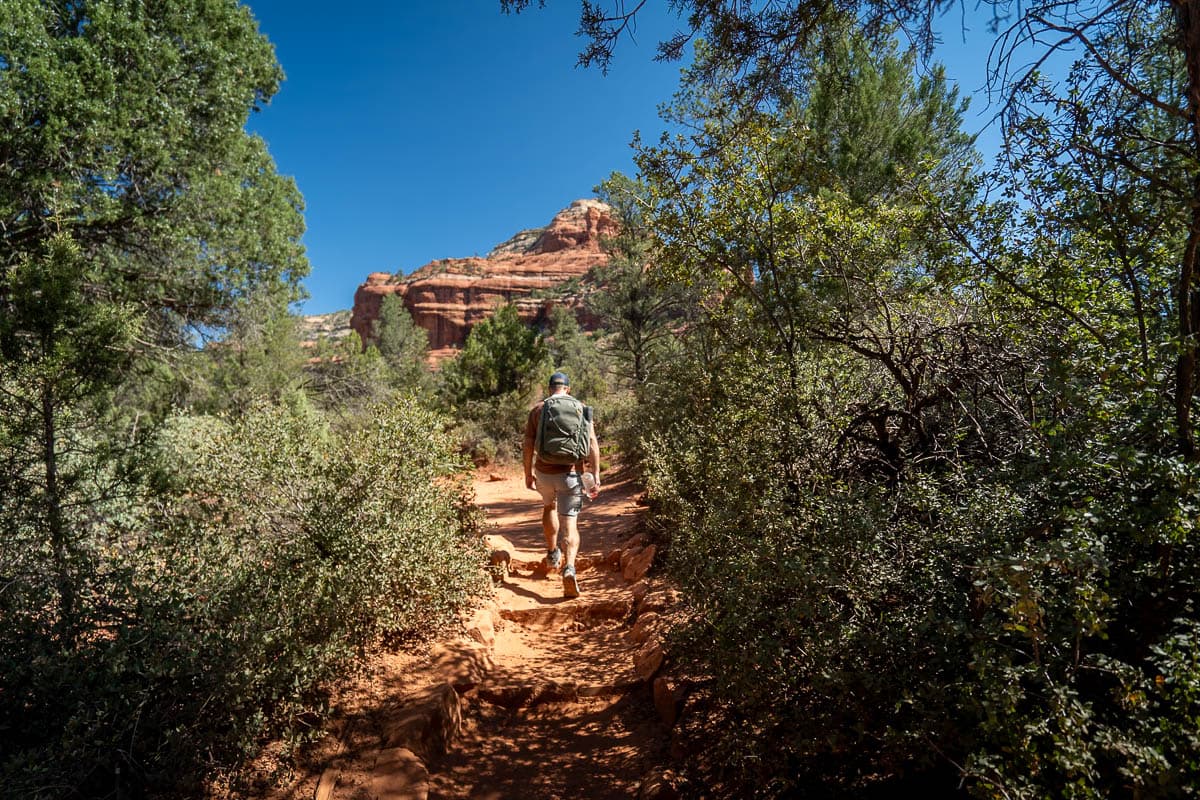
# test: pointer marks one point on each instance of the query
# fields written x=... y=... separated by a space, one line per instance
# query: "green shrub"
x=272 y=552
x=1083 y=661
x=827 y=615
x=491 y=429
x=1023 y=627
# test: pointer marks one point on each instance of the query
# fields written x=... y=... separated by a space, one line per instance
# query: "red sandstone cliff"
x=448 y=296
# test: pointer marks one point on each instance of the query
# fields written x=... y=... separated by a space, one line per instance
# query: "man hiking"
x=559 y=438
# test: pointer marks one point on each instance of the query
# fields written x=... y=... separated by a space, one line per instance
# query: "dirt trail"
x=564 y=713
x=545 y=699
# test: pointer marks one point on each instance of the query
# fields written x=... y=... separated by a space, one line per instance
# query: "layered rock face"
x=447 y=297
x=335 y=325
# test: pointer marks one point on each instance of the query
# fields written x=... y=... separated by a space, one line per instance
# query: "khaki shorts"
x=562 y=489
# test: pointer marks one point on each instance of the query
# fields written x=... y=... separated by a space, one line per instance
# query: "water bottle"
x=590 y=486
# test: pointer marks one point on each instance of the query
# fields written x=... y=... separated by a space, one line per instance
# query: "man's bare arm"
x=527 y=455
x=594 y=454
x=527 y=458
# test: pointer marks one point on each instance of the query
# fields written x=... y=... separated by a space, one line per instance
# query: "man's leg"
x=547 y=486
x=550 y=526
x=568 y=513
x=571 y=537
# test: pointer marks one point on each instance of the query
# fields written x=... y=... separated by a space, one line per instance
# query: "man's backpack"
x=562 y=433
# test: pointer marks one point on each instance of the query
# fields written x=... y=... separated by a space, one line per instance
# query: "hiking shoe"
x=554 y=558
x=570 y=583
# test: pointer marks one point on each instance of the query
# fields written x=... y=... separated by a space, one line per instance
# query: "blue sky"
x=418 y=131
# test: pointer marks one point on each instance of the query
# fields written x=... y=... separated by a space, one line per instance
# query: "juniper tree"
x=135 y=213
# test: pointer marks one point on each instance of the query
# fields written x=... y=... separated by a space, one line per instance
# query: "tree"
x=132 y=206
x=135 y=216
x=258 y=359
x=775 y=207
x=345 y=379
x=403 y=344
x=638 y=310
x=1098 y=167
x=758 y=51
x=873 y=125
x=502 y=356
x=491 y=383
x=576 y=353
x=60 y=354
x=123 y=129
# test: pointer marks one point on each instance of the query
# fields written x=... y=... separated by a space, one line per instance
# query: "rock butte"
x=448 y=296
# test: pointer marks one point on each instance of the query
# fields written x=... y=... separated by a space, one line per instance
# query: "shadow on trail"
x=592 y=749
x=544 y=598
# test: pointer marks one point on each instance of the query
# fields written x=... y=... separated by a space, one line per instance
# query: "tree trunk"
x=1187 y=297
x=54 y=521
x=1185 y=366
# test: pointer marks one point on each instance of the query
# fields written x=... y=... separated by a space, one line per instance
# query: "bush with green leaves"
x=491 y=385
x=829 y=612
x=1081 y=680
x=920 y=461
x=270 y=552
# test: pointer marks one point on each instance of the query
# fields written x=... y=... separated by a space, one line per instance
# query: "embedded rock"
x=667 y=697
x=639 y=591
x=399 y=775
x=659 y=784
x=639 y=564
x=449 y=296
x=644 y=628
x=426 y=722
x=648 y=660
x=482 y=625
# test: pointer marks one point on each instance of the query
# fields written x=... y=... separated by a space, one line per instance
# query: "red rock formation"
x=447 y=297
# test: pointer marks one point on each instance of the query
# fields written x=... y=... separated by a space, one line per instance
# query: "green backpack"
x=562 y=434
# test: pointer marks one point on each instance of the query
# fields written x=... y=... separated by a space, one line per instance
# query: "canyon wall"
x=448 y=296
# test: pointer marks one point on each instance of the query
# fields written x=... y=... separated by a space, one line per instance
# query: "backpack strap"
x=581 y=465
x=540 y=410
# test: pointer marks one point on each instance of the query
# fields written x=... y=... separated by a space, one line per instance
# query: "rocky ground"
x=541 y=698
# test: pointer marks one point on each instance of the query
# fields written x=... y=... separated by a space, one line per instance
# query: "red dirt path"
x=586 y=747
x=560 y=714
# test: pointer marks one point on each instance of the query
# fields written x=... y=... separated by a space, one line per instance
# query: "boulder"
x=644 y=627
x=667 y=697
x=426 y=721
x=639 y=565
x=628 y=555
x=482 y=627
x=658 y=600
x=659 y=784
x=639 y=591
x=463 y=665
x=637 y=540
